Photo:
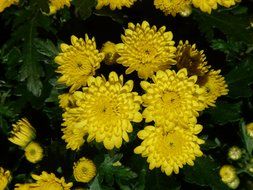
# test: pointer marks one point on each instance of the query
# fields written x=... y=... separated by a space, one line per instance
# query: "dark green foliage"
x=205 y=173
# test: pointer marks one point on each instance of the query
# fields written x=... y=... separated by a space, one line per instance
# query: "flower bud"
x=34 y=152
x=227 y=173
x=109 y=49
x=249 y=128
x=234 y=184
x=187 y=12
x=234 y=153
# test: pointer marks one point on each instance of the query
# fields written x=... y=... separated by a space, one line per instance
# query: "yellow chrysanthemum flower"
x=5 y=178
x=50 y=182
x=22 y=133
x=7 y=3
x=214 y=85
x=172 y=6
x=78 y=61
x=104 y=111
x=146 y=49
x=249 y=128
x=169 y=149
x=110 y=51
x=84 y=170
x=205 y=5
x=187 y=56
x=228 y=173
x=33 y=152
x=55 y=5
x=172 y=98
x=227 y=3
x=66 y=100
x=115 y=4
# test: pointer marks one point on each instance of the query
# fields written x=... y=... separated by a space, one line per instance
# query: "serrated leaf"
x=240 y=78
x=31 y=71
x=204 y=173
x=46 y=48
x=224 y=112
x=95 y=185
x=112 y=173
x=233 y=26
x=84 y=7
x=228 y=47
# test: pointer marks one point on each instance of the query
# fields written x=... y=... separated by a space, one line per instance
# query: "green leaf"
x=224 y=112
x=95 y=184
x=204 y=173
x=228 y=47
x=247 y=140
x=112 y=173
x=159 y=181
x=240 y=78
x=46 y=48
x=233 y=26
x=31 y=71
x=84 y=8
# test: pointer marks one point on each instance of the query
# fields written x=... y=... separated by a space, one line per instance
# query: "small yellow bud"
x=234 y=184
x=234 y=153
x=33 y=152
x=110 y=51
x=251 y=169
x=227 y=173
x=84 y=170
x=249 y=128
x=187 y=12
x=118 y=163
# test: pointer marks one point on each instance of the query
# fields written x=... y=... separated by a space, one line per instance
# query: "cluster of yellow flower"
x=84 y=170
x=172 y=7
x=104 y=109
x=183 y=7
x=228 y=173
x=23 y=134
x=228 y=176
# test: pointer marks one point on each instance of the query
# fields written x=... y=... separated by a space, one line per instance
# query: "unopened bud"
x=234 y=184
x=234 y=153
x=227 y=173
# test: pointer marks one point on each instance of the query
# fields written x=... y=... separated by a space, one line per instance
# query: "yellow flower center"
x=171 y=99
x=108 y=108
x=174 y=143
x=84 y=169
x=84 y=67
x=148 y=54
x=32 y=152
